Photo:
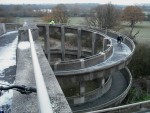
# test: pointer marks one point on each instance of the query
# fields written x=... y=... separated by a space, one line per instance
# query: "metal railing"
x=42 y=94
x=128 y=106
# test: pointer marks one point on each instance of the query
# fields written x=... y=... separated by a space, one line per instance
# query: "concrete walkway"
x=119 y=53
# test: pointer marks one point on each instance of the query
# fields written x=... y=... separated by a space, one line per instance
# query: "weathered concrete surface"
x=25 y=76
x=23 y=32
x=2 y=28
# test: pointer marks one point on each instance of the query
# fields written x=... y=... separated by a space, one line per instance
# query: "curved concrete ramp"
x=119 y=85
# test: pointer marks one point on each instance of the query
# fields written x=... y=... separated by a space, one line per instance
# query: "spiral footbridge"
x=89 y=64
x=102 y=63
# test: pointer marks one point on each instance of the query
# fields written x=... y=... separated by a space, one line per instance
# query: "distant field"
x=144 y=32
x=35 y=20
x=77 y=21
x=143 y=27
x=72 y=20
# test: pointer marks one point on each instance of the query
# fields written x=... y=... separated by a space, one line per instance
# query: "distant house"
x=43 y=10
x=147 y=15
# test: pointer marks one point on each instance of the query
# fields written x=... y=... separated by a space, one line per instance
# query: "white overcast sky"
x=124 y=2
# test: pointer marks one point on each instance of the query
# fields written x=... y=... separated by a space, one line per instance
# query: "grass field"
x=144 y=32
x=77 y=21
x=72 y=20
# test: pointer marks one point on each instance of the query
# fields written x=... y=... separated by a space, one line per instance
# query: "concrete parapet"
x=23 y=34
x=90 y=96
x=25 y=76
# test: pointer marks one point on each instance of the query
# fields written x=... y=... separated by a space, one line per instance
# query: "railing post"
x=79 y=43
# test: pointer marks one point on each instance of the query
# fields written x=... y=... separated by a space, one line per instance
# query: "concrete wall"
x=90 y=96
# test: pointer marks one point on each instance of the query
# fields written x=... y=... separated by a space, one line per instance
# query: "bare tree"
x=106 y=16
x=133 y=14
x=59 y=14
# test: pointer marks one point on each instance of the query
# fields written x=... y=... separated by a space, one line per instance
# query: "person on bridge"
x=52 y=22
x=119 y=39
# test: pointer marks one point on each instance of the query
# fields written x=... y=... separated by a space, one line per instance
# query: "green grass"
x=35 y=20
x=142 y=96
x=144 y=31
x=77 y=21
x=72 y=20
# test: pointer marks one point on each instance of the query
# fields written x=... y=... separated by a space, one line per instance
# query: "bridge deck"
x=25 y=76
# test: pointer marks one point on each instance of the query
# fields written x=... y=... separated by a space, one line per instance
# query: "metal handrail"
x=43 y=98
x=120 y=107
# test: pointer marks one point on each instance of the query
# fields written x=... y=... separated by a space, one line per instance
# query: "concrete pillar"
x=4 y=28
x=82 y=63
x=47 y=42
x=103 y=81
x=79 y=43
x=63 y=42
x=15 y=27
x=93 y=42
x=104 y=44
x=106 y=31
x=82 y=87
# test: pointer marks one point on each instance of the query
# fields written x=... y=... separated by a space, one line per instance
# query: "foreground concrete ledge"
x=25 y=76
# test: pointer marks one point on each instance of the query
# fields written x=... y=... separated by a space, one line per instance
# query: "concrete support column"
x=102 y=81
x=79 y=43
x=93 y=42
x=16 y=27
x=63 y=42
x=106 y=31
x=4 y=28
x=82 y=63
x=47 y=42
x=105 y=43
x=82 y=87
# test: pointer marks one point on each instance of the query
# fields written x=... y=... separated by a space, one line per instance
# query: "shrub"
x=140 y=63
